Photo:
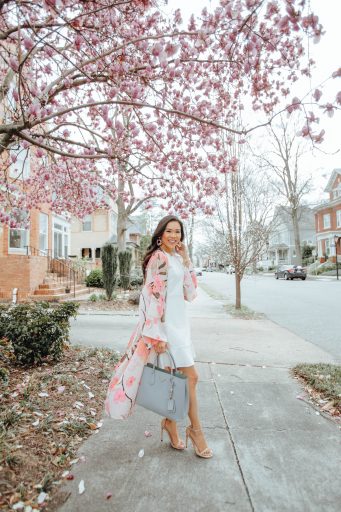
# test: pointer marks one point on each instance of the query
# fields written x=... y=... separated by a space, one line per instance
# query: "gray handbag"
x=163 y=392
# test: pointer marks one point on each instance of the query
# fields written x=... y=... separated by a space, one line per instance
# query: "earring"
x=158 y=242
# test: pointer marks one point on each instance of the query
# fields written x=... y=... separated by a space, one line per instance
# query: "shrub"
x=136 y=281
x=134 y=298
x=36 y=331
x=95 y=278
x=125 y=258
x=109 y=265
x=93 y=297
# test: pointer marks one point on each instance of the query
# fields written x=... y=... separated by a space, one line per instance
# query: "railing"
x=63 y=270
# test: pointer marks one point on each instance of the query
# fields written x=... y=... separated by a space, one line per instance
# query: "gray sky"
x=327 y=57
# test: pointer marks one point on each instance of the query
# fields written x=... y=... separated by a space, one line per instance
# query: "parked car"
x=290 y=272
x=198 y=271
x=230 y=269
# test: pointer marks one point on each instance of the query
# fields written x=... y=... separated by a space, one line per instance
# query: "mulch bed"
x=322 y=383
x=45 y=413
x=124 y=301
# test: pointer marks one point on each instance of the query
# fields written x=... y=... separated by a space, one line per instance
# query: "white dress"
x=176 y=320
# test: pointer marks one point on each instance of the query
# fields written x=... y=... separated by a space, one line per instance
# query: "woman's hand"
x=182 y=250
x=160 y=347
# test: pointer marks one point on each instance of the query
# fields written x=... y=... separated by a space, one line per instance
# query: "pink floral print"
x=151 y=328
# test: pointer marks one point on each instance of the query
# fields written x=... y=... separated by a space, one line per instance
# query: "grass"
x=244 y=312
x=323 y=382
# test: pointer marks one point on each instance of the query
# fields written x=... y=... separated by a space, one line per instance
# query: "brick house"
x=328 y=220
x=34 y=259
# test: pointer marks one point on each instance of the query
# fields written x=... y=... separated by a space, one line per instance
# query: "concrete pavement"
x=272 y=451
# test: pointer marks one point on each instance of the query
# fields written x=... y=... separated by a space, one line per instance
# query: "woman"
x=163 y=325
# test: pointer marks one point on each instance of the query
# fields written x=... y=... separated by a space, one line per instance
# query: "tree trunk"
x=238 y=290
x=296 y=236
x=122 y=221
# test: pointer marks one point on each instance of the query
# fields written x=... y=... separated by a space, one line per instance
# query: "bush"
x=125 y=258
x=95 y=278
x=109 y=265
x=36 y=331
x=93 y=297
x=136 y=281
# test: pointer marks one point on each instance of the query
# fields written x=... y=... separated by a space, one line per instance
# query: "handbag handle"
x=173 y=369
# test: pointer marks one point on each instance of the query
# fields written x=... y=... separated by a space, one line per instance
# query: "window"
x=327 y=246
x=43 y=231
x=326 y=221
x=338 y=219
x=18 y=237
x=98 y=252
x=87 y=223
x=20 y=169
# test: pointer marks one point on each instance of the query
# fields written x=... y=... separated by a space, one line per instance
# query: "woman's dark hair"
x=160 y=229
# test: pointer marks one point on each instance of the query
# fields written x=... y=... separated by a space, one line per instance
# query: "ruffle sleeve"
x=190 y=284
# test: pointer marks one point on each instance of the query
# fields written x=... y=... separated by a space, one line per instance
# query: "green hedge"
x=35 y=330
x=95 y=278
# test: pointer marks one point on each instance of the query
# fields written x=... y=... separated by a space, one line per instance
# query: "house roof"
x=283 y=212
x=331 y=180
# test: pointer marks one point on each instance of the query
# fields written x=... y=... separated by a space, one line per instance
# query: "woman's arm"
x=190 y=283
x=190 y=279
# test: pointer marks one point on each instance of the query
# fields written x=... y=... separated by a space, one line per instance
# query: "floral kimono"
x=150 y=330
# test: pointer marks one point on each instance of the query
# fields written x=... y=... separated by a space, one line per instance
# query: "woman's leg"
x=193 y=412
x=171 y=425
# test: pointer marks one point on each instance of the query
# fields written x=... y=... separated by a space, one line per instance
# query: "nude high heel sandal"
x=179 y=446
x=206 y=453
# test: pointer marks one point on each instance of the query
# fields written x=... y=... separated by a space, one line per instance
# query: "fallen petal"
x=81 y=487
x=65 y=473
x=70 y=476
x=42 y=497
x=35 y=423
x=91 y=395
x=109 y=495
x=147 y=433
x=18 y=506
x=61 y=389
x=141 y=453
x=43 y=394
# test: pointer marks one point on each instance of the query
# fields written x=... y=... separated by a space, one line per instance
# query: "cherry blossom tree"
x=68 y=67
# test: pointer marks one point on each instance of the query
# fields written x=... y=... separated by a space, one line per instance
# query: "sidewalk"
x=272 y=451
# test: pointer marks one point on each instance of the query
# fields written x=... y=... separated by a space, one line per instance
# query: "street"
x=310 y=309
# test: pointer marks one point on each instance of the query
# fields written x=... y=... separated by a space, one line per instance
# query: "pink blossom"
x=14 y=64
x=119 y=396
x=130 y=381
x=113 y=382
x=317 y=94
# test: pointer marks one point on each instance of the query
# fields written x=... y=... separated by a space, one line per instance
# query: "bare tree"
x=248 y=206
x=282 y=164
